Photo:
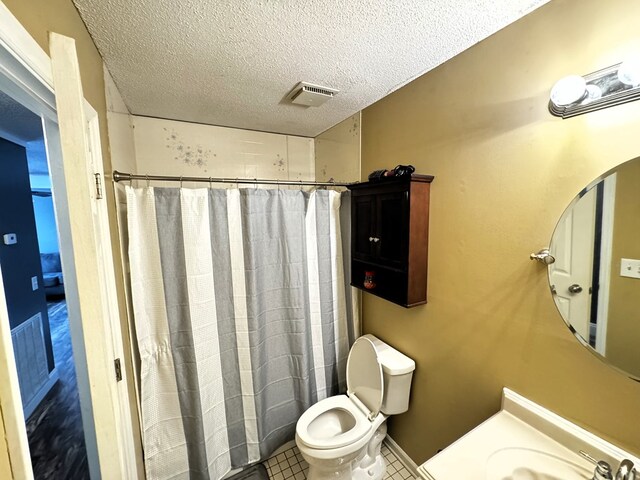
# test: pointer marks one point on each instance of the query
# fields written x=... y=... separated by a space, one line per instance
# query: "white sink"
x=527 y=464
x=523 y=441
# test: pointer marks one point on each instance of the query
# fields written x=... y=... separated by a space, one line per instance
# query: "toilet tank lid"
x=392 y=361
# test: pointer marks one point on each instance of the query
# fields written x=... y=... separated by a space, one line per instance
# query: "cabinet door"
x=362 y=226
x=392 y=228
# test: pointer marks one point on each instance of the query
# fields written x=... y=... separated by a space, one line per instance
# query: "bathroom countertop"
x=470 y=456
x=523 y=440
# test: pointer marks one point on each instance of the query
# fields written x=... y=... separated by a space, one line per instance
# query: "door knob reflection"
x=575 y=288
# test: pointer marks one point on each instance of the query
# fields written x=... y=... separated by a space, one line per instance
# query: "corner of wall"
x=337 y=151
x=120 y=127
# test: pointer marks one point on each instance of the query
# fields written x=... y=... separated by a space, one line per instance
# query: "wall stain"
x=280 y=163
x=192 y=155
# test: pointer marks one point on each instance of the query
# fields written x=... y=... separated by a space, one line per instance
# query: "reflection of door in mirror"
x=572 y=272
x=596 y=237
x=623 y=330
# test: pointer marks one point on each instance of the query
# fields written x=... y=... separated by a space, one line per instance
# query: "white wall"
x=167 y=147
x=42 y=206
x=338 y=152
x=38 y=164
x=45 y=224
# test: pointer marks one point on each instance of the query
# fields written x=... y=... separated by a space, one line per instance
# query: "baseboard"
x=30 y=407
x=402 y=456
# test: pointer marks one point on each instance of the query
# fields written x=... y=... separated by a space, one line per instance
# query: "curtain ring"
x=300 y=184
x=180 y=181
x=210 y=183
x=131 y=180
x=148 y=181
x=278 y=184
x=237 y=183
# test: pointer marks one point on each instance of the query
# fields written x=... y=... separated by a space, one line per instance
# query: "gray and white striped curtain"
x=243 y=320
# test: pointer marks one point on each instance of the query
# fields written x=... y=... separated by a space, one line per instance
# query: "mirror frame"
x=585 y=342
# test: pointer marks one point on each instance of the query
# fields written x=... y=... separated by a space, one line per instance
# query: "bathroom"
x=505 y=170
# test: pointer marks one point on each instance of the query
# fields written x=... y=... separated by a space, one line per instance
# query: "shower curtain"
x=243 y=320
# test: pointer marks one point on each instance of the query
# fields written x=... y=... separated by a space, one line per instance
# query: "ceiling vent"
x=311 y=95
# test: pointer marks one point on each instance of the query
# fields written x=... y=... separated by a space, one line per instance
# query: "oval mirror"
x=595 y=280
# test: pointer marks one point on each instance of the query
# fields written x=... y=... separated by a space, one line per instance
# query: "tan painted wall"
x=623 y=327
x=338 y=152
x=505 y=170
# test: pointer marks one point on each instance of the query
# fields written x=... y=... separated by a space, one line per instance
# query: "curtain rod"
x=121 y=176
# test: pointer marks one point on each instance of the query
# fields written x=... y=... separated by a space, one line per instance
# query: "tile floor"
x=289 y=465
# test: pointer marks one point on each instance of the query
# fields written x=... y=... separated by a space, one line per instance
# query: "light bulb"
x=568 y=90
x=629 y=71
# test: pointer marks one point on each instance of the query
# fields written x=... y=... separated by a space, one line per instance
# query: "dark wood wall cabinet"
x=389 y=238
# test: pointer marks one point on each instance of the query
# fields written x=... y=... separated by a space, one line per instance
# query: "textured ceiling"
x=232 y=62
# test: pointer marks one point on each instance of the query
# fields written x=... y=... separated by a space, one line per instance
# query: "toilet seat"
x=327 y=434
x=365 y=381
x=344 y=419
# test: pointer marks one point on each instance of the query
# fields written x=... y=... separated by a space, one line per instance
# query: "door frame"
x=26 y=74
x=606 y=256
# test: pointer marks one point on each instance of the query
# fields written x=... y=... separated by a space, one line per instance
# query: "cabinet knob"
x=371 y=239
x=376 y=239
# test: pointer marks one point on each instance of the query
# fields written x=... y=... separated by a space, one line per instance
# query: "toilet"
x=340 y=436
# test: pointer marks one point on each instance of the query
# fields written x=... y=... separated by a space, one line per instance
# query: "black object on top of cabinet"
x=389 y=238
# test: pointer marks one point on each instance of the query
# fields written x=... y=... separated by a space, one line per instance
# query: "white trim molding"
x=24 y=48
x=42 y=392
x=606 y=255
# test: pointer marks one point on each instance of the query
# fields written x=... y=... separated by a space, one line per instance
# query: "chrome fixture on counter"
x=626 y=471
x=602 y=471
x=574 y=95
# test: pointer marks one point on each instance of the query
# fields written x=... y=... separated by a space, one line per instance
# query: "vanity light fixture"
x=574 y=95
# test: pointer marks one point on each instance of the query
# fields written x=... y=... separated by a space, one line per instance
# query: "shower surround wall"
x=178 y=148
x=337 y=152
x=167 y=147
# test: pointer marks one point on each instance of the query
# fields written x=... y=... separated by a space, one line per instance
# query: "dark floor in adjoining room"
x=56 y=437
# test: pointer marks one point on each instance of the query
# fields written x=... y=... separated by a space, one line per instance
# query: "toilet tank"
x=397 y=372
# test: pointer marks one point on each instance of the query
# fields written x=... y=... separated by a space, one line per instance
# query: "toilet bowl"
x=340 y=436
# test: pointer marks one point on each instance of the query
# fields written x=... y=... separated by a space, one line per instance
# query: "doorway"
x=35 y=296
x=26 y=75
